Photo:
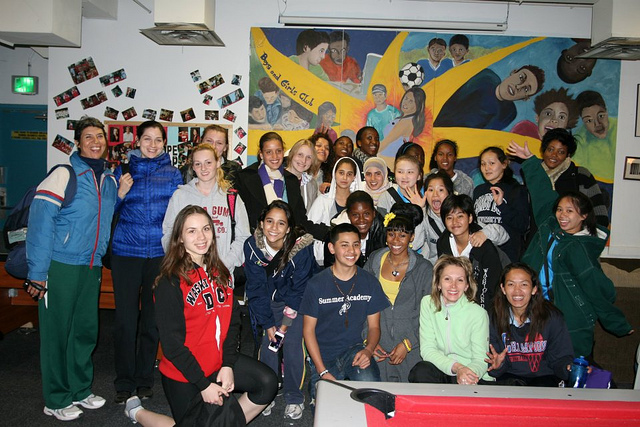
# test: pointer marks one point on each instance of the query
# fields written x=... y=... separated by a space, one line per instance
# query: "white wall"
x=161 y=73
x=625 y=226
x=15 y=62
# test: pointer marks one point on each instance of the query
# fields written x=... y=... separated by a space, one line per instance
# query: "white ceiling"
x=546 y=2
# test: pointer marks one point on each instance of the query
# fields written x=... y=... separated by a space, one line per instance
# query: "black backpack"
x=15 y=227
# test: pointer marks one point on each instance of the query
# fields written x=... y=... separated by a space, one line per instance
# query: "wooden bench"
x=17 y=307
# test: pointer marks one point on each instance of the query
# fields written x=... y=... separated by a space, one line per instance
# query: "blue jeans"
x=341 y=369
x=293 y=355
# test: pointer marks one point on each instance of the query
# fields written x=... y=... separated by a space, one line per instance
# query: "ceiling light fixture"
x=334 y=22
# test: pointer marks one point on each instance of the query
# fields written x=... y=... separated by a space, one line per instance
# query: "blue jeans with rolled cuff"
x=341 y=368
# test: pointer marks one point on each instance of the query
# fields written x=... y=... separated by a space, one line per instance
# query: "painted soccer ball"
x=411 y=74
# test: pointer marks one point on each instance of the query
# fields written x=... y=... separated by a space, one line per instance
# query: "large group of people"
x=355 y=270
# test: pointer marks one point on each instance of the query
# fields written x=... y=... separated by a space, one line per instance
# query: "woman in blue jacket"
x=278 y=263
x=143 y=196
x=64 y=250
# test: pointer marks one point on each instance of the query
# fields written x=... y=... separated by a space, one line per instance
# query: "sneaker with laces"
x=91 y=402
x=132 y=406
x=267 y=411
x=69 y=413
x=294 y=411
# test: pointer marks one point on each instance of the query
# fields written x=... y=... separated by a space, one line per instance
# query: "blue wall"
x=25 y=161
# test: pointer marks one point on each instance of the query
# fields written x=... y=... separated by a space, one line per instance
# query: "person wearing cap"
x=383 y=113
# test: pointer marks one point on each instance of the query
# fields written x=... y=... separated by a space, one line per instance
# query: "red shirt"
x=349 y=70
x=206 y=313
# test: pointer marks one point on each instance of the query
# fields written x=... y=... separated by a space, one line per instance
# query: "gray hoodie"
x=216 y=204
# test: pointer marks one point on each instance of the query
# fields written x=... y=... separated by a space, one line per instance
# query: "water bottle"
x=579 y=373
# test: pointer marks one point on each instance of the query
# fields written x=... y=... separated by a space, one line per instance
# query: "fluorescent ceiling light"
x=315 y=21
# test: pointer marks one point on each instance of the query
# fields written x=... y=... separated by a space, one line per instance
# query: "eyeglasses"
x=335 y=51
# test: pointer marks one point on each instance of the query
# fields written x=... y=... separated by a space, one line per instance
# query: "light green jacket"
x=457 y=333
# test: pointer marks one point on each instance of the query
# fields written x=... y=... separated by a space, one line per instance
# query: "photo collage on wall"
x=180 y=141
x=122 y=136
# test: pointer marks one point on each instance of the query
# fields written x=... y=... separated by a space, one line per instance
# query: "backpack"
x=232 y=194
x=16 y=225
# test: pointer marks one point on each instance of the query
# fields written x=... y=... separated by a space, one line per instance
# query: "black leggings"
x=426 y=372
x=541 y=381
x=250 y=375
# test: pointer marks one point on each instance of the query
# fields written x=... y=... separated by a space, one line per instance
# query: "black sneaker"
x=122 y=397
x=144 y=392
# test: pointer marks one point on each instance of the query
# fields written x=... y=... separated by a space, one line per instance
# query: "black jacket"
x=577 y=178
x=486 y=266
x=251 y=191
x=375 y=241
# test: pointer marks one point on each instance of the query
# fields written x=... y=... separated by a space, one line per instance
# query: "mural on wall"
x=477 y=90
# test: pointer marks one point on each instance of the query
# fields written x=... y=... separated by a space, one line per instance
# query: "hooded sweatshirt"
x=581 y=290
x=286 y=286
x=324 y=207
x=216 y=204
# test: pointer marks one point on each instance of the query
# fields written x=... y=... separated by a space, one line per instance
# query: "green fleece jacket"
x=456 y=333
x=581 y=290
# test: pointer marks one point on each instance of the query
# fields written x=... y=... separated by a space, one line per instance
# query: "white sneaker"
x=91 y=402
x=69 y=413
x=267 y=411
x=294 y=411
x=132 y=406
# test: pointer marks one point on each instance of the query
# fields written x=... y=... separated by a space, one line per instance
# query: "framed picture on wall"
x=632 y=168
x=638 y=111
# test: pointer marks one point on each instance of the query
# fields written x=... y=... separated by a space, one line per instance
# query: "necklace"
x=396 y=267
x=346 y=305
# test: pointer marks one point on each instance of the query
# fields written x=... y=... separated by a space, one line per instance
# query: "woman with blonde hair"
x=210 y=190
x=304 y=164
x=454 y=330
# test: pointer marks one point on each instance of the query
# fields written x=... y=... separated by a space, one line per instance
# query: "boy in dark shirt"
x=337 y=305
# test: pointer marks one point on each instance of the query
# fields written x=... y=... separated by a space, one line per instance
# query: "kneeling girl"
x=198 y=321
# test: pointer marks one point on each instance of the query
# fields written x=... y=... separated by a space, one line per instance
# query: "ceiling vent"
x=615 y=33
x=184 y=23
x=41 y=23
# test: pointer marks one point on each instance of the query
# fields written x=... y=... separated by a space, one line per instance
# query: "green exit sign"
x=24 y=85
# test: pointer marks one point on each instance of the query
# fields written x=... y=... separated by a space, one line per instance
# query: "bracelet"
x=406 y=344
x=326 y=371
